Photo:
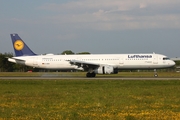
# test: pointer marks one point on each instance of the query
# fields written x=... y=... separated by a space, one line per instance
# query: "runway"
x=84 y=78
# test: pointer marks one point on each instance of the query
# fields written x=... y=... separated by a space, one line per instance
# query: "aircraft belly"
x=143 y=66
x=56 y=65
x=138 y=66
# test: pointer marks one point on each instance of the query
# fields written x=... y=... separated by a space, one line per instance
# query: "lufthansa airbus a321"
x=93 y=63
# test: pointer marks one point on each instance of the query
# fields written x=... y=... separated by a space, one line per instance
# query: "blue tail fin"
x=20 y=48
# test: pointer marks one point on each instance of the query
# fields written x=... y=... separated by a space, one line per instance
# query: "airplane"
x=92 y=63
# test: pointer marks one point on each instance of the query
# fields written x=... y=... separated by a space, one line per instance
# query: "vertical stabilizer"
x=20 y=48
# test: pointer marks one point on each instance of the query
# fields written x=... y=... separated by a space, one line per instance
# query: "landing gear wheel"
x=91 y=74
x=156 y=75
x=87 y=74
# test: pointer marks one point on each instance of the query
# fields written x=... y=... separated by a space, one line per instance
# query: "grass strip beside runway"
x=89 y=99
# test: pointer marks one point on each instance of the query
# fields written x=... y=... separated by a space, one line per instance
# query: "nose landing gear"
x=155 y=73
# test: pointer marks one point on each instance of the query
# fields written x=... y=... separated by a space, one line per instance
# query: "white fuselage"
x=119 y=61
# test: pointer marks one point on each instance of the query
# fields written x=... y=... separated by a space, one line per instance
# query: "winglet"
x=20 y=48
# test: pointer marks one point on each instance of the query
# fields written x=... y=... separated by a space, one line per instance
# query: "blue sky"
x=103 y=26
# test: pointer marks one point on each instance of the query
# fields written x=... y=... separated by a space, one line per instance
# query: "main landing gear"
x=155 y=73
x=91 y=74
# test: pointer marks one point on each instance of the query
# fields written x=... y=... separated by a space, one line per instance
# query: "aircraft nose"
x=173 y=63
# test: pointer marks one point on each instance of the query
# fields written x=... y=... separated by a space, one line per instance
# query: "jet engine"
x=106 y=70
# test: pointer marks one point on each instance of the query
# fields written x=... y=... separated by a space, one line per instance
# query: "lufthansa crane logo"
x=18 y=45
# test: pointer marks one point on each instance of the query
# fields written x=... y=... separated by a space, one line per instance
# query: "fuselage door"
x=121 y=61
x=155 y=59
x=35 y=61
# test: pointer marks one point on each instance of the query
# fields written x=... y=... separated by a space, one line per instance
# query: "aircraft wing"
x=85 y=65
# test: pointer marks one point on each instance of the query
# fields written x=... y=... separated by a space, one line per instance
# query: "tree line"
x=69 y=52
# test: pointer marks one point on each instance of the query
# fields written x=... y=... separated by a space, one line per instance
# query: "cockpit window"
x=166 y=58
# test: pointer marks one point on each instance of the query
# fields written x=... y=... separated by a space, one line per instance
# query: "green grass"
x=89 y=99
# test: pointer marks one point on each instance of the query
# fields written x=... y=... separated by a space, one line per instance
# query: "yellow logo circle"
x=18 y=45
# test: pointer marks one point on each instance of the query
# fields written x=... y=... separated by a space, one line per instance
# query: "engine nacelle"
x=106 y=70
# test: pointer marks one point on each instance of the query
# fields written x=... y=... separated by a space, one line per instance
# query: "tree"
x=177 y=63
x=84 y=53
x=5 y=65
x=68 y=52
